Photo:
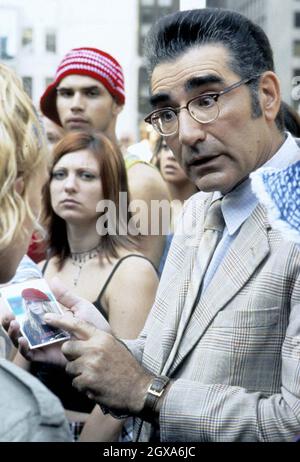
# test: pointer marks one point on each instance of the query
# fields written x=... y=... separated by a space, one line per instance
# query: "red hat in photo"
x=90 y=62
x=35 y=295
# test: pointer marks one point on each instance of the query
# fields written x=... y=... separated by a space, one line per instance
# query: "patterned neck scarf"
x=279 y=191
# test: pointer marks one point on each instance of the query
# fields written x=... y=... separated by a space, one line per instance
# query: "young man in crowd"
x=88 y=93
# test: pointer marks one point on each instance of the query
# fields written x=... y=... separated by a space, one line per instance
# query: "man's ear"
x=270 y=95
x=117 y=108
x=19 y=185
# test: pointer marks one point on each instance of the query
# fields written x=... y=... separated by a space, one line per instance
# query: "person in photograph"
x=36 y=304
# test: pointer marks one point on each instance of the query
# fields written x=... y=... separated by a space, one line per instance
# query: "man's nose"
x=77 y=102
x=190 y=132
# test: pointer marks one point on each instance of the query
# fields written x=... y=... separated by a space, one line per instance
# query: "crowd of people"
x=180 y=335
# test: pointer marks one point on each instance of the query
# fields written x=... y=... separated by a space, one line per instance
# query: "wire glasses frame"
x=204 y=109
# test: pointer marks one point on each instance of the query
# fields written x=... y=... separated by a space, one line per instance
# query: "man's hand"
x=81 y=308
x=102 y=367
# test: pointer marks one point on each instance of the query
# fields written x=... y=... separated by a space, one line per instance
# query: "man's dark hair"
x=247 y=43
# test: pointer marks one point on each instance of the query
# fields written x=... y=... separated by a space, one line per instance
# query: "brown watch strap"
x=154 y=392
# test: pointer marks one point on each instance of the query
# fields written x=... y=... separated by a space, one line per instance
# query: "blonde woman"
x=23 y=173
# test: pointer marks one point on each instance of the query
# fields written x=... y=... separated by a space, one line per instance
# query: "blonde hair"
x=22 y=150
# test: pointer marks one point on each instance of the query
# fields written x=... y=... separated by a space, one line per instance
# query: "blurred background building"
x=35 y=35
x=281 y=22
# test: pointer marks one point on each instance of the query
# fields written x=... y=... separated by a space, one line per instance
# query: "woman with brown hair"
x=93 y=252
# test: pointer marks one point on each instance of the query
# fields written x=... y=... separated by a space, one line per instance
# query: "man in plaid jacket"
x=219 y=357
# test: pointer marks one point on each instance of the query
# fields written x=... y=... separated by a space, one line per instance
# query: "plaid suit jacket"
x=234 y=354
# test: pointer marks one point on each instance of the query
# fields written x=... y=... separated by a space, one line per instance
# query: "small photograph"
x=30 y=301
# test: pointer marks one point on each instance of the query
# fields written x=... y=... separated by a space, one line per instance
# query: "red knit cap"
x=35 y=295
x=92 y=63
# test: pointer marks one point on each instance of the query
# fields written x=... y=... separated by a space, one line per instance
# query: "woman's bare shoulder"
x=134 y=269
x=51 y=265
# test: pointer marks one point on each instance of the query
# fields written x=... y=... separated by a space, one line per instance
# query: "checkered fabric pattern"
x=234 y=353
x=76 y=429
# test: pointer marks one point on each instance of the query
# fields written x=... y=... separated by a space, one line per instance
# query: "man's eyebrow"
x=196 y=82
x=159 y=98
x=91 y=87
x=191 y=84
x=71 y=87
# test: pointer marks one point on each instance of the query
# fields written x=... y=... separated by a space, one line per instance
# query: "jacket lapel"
x=248 y=250
x=182 y=300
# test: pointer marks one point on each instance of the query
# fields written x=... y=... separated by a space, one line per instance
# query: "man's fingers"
x=73 y=367
x=68 y=314
x=24 y=348
x=82 y=308
x=77 y=383
x=91 y=396
x=7 y=319
x=62 y=294
x=80 y=384
x=13 y=332
x=80 y=329
x=72 y=350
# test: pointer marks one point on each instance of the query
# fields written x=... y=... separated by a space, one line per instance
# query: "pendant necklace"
x=80 y=258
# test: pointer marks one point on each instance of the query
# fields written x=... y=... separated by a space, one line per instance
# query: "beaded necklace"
x=80 y=258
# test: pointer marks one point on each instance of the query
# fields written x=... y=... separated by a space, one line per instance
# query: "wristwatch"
x=154 y=392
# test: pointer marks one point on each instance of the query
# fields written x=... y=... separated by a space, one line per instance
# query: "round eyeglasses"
x=204 y=109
